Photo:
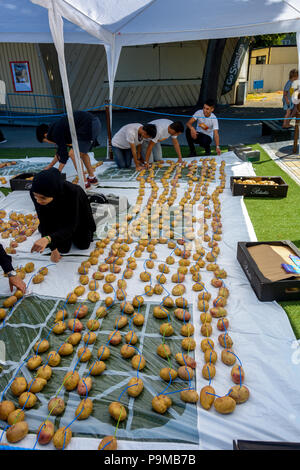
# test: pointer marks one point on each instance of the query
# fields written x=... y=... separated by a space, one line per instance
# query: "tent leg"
x=108 y=125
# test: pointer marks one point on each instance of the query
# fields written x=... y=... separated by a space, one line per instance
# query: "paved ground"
x=282 y=153
x=238 y=124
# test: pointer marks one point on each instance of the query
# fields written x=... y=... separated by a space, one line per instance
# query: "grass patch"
x=277 y=219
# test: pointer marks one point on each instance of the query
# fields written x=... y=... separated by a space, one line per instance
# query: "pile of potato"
x=18 y=227
x=105 y=276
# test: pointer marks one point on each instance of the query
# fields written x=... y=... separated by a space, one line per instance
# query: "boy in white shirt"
x=207 y=129
x=165 y=128
x=127 y=143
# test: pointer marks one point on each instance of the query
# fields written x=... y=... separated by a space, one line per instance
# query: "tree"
x=267 y=40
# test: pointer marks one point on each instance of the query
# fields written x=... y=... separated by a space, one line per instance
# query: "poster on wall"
x=21 y=76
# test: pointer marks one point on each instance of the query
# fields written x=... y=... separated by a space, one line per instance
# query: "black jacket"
x=5 y=260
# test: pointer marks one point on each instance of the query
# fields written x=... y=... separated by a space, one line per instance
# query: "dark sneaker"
x=87 y=184
x=3 y=141
x=92 y=180
x=192 y=155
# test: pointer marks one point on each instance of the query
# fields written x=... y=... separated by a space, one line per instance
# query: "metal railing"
x=31 y=106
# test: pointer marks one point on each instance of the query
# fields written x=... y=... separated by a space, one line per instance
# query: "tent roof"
x=133 y=22
x=22 y=21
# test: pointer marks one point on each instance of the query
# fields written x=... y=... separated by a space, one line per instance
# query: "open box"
x=261 y=262
x=23 y=181
x=258 y=190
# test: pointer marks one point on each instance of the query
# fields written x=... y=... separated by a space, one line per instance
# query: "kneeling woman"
x=64 y=213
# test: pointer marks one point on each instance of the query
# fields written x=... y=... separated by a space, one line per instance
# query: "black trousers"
x=202 y=139
x=1 y=136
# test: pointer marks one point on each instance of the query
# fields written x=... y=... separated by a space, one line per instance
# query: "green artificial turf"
x=277 y=219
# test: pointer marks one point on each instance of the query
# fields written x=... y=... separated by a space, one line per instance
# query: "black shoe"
x=3 y=141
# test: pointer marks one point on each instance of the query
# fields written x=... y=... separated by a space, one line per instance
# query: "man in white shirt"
x=207 y=129
x=127 y=143
x=2 y=101
x=165 y=128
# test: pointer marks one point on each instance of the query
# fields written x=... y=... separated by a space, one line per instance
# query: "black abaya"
x=68 y=218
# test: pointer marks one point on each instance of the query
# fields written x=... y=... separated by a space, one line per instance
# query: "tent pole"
x=56 y=28
x=108 y=126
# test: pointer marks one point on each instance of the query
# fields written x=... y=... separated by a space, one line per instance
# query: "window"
x=261 y=59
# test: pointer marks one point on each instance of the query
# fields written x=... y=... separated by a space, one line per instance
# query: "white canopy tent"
x=116 y=23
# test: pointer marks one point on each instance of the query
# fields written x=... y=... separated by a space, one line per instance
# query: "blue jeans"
x=122 y=157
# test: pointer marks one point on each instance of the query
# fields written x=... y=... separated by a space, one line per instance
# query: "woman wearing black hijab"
x=64 y=213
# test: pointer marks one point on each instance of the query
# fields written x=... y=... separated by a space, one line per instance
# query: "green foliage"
x=267 y=40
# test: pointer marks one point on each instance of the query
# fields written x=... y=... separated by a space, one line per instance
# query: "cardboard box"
x=264 y=272
x=258 y=190
x=22 y=183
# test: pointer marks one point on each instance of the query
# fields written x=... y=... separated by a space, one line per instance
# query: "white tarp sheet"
x=262 y=335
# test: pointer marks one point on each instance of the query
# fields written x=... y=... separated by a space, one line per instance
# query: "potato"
x=93 y=285
x=138 y=319
x=187 y=329
x=188 y=344
x=62 y=438
x=41 y=346
x=207 y=343
x=167 y=374
x=166 y=329
x=71 y=380
x=182 y=314
x=97 y=368
x=27 y=400
x=103 y=353
x=240 y=394
x=131 y=337
x=66 y=349
x=206 y=329
x=6 y=407
x=101 y=312
x=38 y=278
x=56 y=406
x=185 y=372
x=164 y=351
x=98 y=276
x=84 y=386
x=84 y=279
x=161 y=403
x=208 y=371
x=34 y=362
x=74 y=339
x=81 y=312
x=89 y=338
x=93 y=296
x=93 y=324
x=36 y=385
x=158 y=289
x=117 y=411
x=115 y=338
x=218 y=312
x=45 y=432
x=71 y=298
x=59 y=327
x=84 y=409
x=189 y=396
x=18 y=386
x=225 y=340
x=17 y=432
x=16 y=416
x=138 y=301
x=237 y=374
x=54 y=358
x=44 y=372
x=185 y=360
x=3 y=313
x=178 y=290
x=224 y=405
x=127 y=307
x=121 y=321
x=160 y=312
x=203 y=305
x=127 y=351
x=108 y=443
x=29 y=267
x=181 y=302
x=138 y=362
x=136 y=387
x=84 y=354
x=210 y=356
x=207 y=397
x=75 y=325
x=168 y=302
x=10 y=301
